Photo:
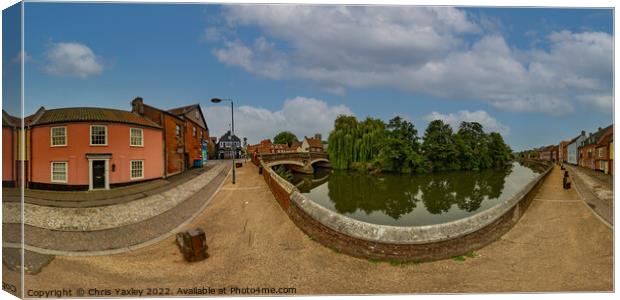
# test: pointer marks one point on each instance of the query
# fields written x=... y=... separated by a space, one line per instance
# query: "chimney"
x=599 y=129
x=137 y=105
x=583 y=132
x=317 y=136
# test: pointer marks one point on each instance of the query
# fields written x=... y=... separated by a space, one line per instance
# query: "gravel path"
x=558 y=245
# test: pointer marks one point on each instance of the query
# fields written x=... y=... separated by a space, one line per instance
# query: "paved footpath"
x=596 y=189
x=558 y=245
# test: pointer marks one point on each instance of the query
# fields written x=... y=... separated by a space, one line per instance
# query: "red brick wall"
x=174 y=145
x=192 y=143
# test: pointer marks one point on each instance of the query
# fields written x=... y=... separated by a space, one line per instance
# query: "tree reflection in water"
x=396 y=195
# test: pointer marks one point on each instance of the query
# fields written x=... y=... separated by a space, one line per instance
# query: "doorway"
x=99 y=176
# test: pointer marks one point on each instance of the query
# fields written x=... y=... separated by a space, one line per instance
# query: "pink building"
x=93 y=148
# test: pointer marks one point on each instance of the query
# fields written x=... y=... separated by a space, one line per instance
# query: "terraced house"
x=87 y=148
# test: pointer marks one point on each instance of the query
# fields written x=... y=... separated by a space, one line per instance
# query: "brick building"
x=173 y=128
x=93 y=148
x=196 y=133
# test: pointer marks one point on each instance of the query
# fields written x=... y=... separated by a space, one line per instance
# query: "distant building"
x=562 y=151
x=572 y=151
x=228 y=145
x=314 y=144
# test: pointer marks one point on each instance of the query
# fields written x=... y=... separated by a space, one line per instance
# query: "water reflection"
x=406 y=200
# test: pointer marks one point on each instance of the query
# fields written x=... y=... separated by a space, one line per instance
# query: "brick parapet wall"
x=366 y=243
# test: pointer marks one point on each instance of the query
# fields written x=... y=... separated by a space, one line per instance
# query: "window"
x=59 y=136
x=194 y=131
x=178 y=131
x=137 y=169
x=98 y=135
x=201 y=135
x=59 y=172
x=135 y=137
x=601 y=152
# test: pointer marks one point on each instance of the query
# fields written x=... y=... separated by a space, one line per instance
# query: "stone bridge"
x=302 y=162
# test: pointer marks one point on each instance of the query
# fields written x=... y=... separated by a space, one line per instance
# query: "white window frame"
x=52 y=136
x=66 y=171
x=194 y=131
x=131 y=169
x=90 y=136
x=131 y=137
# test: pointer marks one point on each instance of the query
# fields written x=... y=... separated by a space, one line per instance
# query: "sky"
x=536 y=75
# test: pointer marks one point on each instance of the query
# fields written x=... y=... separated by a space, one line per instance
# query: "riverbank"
x=558 y=245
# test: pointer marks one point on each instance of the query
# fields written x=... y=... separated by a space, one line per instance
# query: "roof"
x=183 y=110
x=10 y=121
x=314 y=142
x=92 y=114
x=593 y=138
x=295 y=144
x=227 y=137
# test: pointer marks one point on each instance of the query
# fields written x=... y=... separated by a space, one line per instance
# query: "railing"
x=270 y=157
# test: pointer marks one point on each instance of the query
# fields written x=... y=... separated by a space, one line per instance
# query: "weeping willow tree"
x=342 y=142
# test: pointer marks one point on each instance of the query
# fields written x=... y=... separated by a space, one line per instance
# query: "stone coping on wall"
x=404 y=234
x=107 y=217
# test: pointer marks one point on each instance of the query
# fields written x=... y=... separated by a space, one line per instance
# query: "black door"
x=98 y=174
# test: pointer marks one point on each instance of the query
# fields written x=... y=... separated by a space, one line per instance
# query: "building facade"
x=603 y=153
x=196 y=150
x=173 y=129
x=562 y=151
x=229 y=145
x=572 y=151
x=93 y=148
x=313 y=144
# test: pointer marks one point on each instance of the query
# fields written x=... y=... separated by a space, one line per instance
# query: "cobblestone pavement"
x=596 y=191
x=121 y=238
x=110 y=216
x=558 y=245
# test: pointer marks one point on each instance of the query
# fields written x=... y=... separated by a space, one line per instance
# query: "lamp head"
x=216 y=100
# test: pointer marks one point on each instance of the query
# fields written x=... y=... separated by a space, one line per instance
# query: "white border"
x=131 y=169
x=66 y=171
x=52 y=136
x=141 y=137
x=90 y=136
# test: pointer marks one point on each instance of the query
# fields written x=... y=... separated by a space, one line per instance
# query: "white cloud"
x=72 y=59
x=438 y=51
x=300 y=115
x=489 y=123
x=21 y=55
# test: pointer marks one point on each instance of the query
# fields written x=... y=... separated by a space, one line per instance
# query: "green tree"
x=499 y=152
x=439 y=147
x=400 y=149
x=471 y=145
x=285 y=137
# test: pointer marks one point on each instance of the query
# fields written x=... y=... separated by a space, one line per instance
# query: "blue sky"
x=536 y=75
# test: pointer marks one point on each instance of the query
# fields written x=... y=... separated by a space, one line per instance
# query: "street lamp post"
x=232 y=116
